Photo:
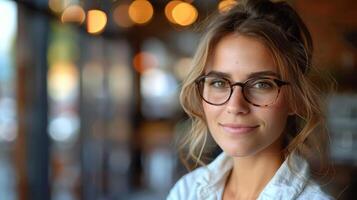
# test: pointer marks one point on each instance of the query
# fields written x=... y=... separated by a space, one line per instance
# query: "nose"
x=237 y=103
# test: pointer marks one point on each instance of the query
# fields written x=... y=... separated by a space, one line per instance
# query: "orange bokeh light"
x=141 y=11
x=73 y=14
x=168 y=10
x=144 y=60
x=96 y=21
x=121 y=16
x=184 y=14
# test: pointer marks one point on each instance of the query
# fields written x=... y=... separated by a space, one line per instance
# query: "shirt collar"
x=293 y=175
x=214 y=176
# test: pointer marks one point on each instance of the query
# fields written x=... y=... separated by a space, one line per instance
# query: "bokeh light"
x=64 y=127
x=158 y=50
x=184 y=14
x=8 y=122
x=57 y=6
x=141 y=11
x=96 y=21
x=121 y=16
x=159 y=91
x=73 y=14
x=8 y=28
x=63 y=81
x=226 y=5
x=168 y=10
x=144 y=60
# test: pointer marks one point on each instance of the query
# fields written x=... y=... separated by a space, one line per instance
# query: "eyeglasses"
x=258 y=91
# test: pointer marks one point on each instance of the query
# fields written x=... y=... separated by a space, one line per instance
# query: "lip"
x=238 y=129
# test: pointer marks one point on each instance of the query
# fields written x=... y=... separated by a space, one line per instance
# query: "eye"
x=262 y=85
x=218 y=83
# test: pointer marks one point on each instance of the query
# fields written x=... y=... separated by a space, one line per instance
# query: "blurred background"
x=89 y=94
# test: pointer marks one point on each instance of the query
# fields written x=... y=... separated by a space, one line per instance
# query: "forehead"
x=239 y=56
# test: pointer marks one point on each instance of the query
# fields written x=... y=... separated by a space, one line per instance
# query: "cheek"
x=276 y=115
x=208 y=110
x=211 y=112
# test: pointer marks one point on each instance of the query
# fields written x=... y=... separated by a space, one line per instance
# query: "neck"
x=251 y=174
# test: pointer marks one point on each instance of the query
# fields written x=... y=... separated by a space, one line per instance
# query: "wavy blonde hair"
x=280 y=29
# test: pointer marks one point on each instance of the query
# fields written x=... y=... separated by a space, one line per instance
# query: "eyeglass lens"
x=259 y=91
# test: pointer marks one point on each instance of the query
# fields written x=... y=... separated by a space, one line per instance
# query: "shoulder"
x=186 y=187
x=204 y=181
x=293 y=181
x=313 y=191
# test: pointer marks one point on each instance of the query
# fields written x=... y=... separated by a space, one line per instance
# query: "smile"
x=238 y=129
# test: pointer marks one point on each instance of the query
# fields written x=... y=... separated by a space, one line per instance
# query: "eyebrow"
x=251 y=75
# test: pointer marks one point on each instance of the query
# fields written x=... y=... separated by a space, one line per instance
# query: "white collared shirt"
x=207 y=182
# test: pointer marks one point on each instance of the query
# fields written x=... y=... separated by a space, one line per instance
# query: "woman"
x=249 y=89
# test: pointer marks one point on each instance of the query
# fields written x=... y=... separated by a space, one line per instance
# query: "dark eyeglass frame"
x=243 y=85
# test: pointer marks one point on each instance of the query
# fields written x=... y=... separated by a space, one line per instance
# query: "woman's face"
x=238 y=127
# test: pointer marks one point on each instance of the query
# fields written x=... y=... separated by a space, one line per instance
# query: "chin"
x=239 y=152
